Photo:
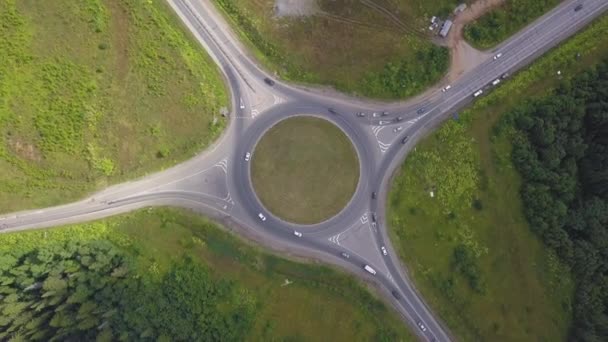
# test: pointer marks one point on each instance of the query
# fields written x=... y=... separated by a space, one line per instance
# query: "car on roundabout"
x=247 y=156
x=297 y=233
x=262 y=217
x=384 y=252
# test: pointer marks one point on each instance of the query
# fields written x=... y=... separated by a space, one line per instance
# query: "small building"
x=445 y=29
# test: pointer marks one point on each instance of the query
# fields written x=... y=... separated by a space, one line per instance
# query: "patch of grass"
x=370 y=48
x=318 y=303
x=304 y=170
x=504 y=21
x=469 y=249
x=97 y=91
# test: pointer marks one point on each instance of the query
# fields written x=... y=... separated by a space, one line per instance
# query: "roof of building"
x=445 y=29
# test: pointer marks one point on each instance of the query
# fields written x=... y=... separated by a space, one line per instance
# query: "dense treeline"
x=562 y=155
x=89 y=290
x=408 y=76
x=496 y=26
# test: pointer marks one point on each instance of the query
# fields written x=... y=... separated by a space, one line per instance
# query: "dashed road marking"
x=254 y=112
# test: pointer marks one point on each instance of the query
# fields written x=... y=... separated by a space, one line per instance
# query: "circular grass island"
x=304 y=170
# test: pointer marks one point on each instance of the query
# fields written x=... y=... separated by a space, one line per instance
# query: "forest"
x=76 y=291
x=561 y=151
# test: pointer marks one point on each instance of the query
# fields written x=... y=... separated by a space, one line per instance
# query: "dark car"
x=421 y=110
x=396 y=294
x=384 y=113
x=404 y=140
x=373 y=195
x=399 y=118
x=373 y=217
x=578 y=7
x=331 y=110
x=269 y=81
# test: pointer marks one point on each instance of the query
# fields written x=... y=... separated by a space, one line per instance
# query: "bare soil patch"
x=295 y=8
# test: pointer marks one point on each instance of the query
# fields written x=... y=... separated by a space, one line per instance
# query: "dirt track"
x=465 y=57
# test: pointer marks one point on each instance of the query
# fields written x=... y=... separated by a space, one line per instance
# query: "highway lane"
x=182 y=184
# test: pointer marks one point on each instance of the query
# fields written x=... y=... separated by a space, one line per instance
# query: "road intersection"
x=218 y=183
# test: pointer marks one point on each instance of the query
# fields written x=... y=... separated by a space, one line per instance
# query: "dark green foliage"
x=82 y=291
x=184 y=306
x=407 y=77
x=61 y=291
x=562 y=154
x=463 y=260
x=496 y=26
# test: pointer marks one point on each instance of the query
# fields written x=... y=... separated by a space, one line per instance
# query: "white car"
x=384 y=252
x=497 y=56
x=421 y=326
x=496 y=81
x=446 y=88
x=297 y=233
x=477 y=93
x=247 y=156
x=398 y=129
x=262 y=217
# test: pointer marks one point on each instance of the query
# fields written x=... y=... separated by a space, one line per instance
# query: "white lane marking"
x=254 y=112
x=383 y=147
x=223 y=164
x=377 y=129
x=364 y=218
x=276 y=99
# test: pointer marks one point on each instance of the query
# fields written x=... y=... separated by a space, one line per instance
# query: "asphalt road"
x=217 y=182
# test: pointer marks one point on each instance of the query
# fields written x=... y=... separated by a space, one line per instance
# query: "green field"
x=504 y=21
x=470 y=249
x=354 y=46
x=97 y=91
x=317 y=304
x=304 y=170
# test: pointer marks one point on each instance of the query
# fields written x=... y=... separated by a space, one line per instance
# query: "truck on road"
x=369 y=269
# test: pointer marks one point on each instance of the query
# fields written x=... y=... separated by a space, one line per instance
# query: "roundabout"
x=304 y=170
x=355 y=196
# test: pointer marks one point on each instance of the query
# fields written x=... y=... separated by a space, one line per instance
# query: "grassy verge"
x=504 y=21
x=318 y=303
x=305 y=170
x=469 y=249
x=349 y=45
x=95 y=92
